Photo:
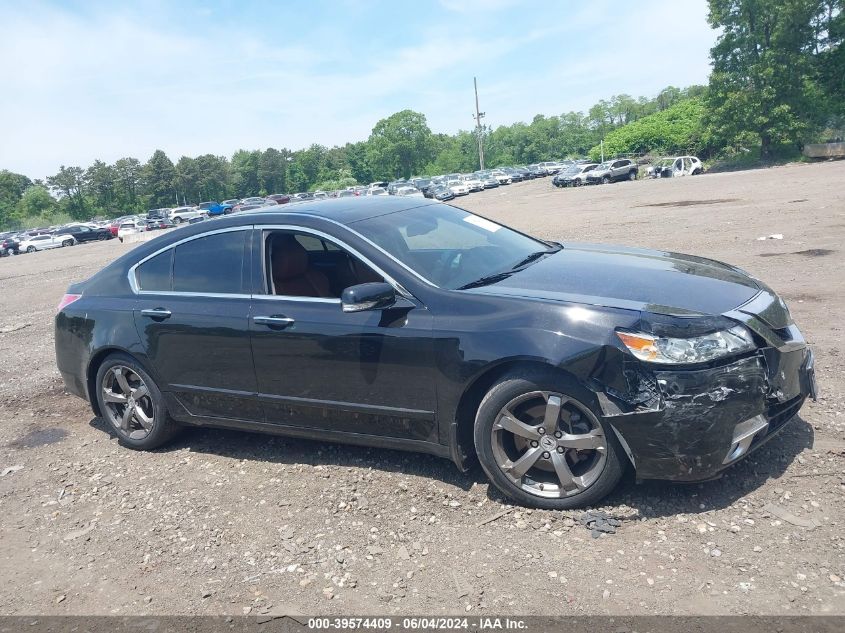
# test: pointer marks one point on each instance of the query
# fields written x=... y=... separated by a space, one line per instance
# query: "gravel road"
x=232 y=523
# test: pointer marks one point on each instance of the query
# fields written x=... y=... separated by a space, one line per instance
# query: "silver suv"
x=613 y=170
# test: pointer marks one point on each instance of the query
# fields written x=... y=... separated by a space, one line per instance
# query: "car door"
x=192 y=316
x=321 y=368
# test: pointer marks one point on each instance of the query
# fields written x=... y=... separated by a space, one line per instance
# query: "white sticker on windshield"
x=483 y=223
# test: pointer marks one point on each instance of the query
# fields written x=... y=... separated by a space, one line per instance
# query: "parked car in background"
x=501 y=177
x=185 y=214
x=613 y=171
x=376 y=191
x=441 y=192
x=45 y=241
x=473 y=183
x=458 y=187
x=216 y=208
x=346 y=193
x=675 y=167
x=9 y=244
x=409 y=191
x=279 y=198
x=574 y=175
x=130 y=227
x=489 y=180
x=83 y=233
x=159 y=223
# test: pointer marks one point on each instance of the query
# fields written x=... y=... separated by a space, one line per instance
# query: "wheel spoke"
x=145 y=420
x=111 y=396
x=121 y=381
x=140 y=392
x=522 y=465
x=583 y=441
x=508 y=422
x=126 y=418
x=553 y=404
x=564 y=475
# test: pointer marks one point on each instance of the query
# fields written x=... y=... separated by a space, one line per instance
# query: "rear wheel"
x=30 y=249
x=177 y=220
x=605 y=180
x=102 y=237
x=67 y=243
x=130 y=401
x=541 y=444
x=632 y=175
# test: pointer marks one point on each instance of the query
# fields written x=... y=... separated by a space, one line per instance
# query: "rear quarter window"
x=154 y=275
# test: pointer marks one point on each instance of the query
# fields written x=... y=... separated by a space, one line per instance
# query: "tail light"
x=66 y=301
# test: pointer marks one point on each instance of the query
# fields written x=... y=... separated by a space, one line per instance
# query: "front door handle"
x=157 y=313
x=278 y=321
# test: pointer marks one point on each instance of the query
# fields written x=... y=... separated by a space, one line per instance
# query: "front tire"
x=131 y=403
x=541 y=444
x=177 y=220
x=632 y=175
x=31 y=249
x=67 y=243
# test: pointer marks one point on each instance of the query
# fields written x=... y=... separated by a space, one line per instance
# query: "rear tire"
x=147 y=424
x=31 y=249
x=561 y=476
x=177 y=220
x=605 y=180
x=67 y=243
x=632 y=175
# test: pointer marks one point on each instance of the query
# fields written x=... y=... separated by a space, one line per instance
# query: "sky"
x=102 y=80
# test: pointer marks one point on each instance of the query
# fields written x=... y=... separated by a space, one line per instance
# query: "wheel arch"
x=462 y=444
x=94 y=364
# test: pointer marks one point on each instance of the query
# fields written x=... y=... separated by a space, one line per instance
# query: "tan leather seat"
x=292 y=275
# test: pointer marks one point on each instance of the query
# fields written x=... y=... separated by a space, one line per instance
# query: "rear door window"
x=213 y=264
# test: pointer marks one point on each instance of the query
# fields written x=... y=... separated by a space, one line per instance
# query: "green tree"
x=128 y=174
x=12 y=187
x=400 y=145
x=70 y=183
x=272 y=171
x=245 y=173
x=101 y=182
x=35 y=201
x=762 y=89
x=160 y=180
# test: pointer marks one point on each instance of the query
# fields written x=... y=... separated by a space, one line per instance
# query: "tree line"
x=778 y=81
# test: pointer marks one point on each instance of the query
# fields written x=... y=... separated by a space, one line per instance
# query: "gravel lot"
x=232 y=523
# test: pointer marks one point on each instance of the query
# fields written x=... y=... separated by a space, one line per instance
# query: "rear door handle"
x=278 y=321
x=157 y=313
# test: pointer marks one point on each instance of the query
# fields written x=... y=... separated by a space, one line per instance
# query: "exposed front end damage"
x=689 y=424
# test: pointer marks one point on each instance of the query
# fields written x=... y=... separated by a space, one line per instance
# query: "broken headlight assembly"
x=698 y=349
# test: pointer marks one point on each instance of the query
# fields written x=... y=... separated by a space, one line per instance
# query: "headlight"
x=699 y=349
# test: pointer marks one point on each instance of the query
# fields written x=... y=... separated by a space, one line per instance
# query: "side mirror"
x=370 y=296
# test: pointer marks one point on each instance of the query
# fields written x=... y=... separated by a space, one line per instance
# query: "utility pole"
x=478 y=116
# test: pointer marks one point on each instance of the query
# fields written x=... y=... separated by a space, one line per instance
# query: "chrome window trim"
x=343 y=245
x=133 y=279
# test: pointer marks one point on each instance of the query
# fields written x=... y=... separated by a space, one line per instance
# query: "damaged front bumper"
x=690 y=424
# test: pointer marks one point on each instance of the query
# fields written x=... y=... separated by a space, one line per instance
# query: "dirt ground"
x=232 y=523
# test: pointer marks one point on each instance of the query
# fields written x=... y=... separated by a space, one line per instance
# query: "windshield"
x=448 y=246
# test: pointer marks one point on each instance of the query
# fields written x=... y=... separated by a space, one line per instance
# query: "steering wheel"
x=447 y=265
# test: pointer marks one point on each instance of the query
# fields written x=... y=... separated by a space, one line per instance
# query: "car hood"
x=629 y=278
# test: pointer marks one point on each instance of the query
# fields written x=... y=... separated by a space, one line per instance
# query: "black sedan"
x=83 y=233
x=410 y=324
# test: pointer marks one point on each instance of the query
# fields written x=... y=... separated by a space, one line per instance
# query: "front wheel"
x=177 y=220
x=130 y=401
x=30 y=249
x=632 y=175
x=67 y=243
x=542 y=445
x=605 y=180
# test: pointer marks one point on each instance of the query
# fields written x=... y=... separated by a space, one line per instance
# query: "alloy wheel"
x=127 y=403
x=549 y=444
